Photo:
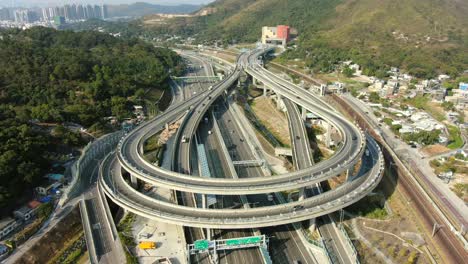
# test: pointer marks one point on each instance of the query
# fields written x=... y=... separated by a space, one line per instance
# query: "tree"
x=119 y=106
x=63 y=76
x=45 y=210
x=348 y=72
x=139 y=94
x=374 y=97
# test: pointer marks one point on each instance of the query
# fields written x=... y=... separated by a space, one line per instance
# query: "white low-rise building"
x=406 y=129
x=415 y=117
x=427 y=125
x=396 y=122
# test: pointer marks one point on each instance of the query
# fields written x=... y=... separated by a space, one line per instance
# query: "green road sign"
x=201 y=244
x=244 y=241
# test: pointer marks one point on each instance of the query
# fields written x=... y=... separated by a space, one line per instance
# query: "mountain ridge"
x=139 y=9
x=429 y=36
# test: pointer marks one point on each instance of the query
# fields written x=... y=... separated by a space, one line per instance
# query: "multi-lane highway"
x=182 y=162
x=218 y=161
x=302 y=158
x=352 y=147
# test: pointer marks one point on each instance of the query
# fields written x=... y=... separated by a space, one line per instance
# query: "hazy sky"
x=29 y=3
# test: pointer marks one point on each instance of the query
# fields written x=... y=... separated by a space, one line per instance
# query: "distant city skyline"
x=47 y=3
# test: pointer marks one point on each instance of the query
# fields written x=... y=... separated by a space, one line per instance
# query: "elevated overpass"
x=127 y=197
x=349 y=153
x=129 y=157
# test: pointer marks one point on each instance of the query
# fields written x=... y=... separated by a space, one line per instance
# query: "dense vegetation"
x=424 y=37
x=62 y=76
x=21 y=155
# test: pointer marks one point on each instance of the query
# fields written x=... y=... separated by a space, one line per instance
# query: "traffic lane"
x=238 y=145
x=194 y=234
x=99 y=239
x=289 y=246
x=312 y=202
x=285 y=245
x=217 y=161
x=212 y=143
x=327 y=230
x=288 y=240
x=332 y=240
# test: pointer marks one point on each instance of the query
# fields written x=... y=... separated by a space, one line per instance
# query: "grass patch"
x=451 y=164
x=74 y=256
x=377 y=213
x=68 y=244
x=156 y=156
x=455 y=140
x=369 y=207
x=461 y=190
x=154 y=94
x=424 y=102
x=125 y=230
x=151 y=143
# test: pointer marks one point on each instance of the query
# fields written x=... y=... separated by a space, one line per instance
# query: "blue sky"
x=29 y=3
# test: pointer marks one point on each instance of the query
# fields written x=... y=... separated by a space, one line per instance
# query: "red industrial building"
x=283 y=32
x=280 y=34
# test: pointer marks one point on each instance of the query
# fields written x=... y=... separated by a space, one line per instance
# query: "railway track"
x=445 y=240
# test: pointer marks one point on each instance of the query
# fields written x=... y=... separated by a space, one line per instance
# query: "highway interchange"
x=192 y=107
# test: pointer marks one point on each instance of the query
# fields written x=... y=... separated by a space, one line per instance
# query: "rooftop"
x=5 y=221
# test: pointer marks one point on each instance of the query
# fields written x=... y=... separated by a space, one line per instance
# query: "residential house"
x=7 y=225
x=48 y=189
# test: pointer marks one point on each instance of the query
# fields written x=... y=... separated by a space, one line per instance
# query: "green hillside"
x=425 y=36
x=139 y=9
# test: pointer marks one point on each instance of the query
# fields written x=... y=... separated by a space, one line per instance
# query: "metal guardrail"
x=360 y=187
x=88 y=233
x=348 y=240
x=96 y=149
x=329 y=257
x=266 y=255
x=311 y=241
x=363 y=182
x=99 y=147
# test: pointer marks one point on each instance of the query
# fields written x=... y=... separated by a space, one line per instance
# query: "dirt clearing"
x=273 y=119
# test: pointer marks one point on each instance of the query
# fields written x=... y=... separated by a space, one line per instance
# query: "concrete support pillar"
x=204 y=206
x=312 y=225
x=204 y=202
x=301 y=194
x=167 y=126
x=215 y=256
x=304 y=114
x=134 y=181
x=278 y=101
x=323 y=88
x=349 y=174
x=264 y=90
x=328 y=134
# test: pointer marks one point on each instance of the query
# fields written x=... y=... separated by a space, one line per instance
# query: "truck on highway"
x=147 y=245
x=184 y=139
x=367 y=152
